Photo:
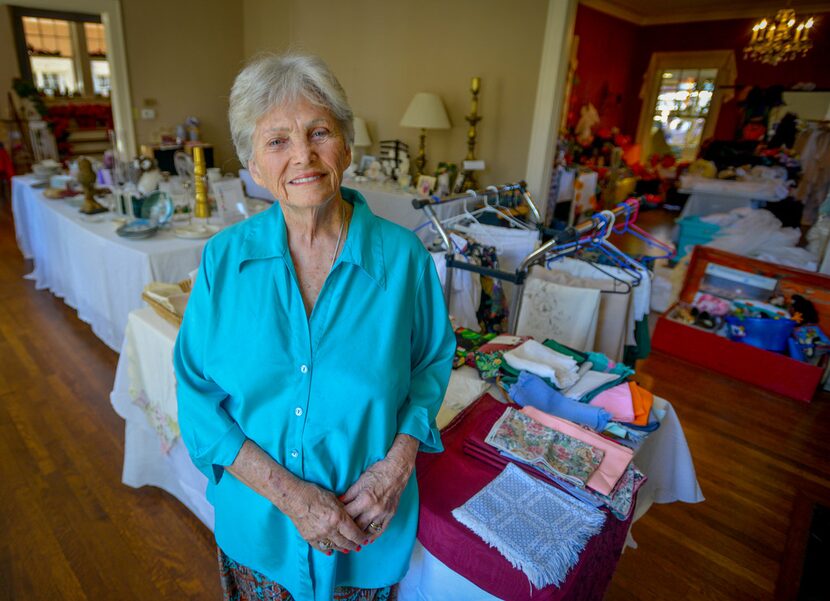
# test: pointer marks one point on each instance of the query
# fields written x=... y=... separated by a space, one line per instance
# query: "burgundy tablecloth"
x=447 y=480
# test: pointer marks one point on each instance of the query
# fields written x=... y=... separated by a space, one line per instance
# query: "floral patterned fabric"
x=244 y=584
x=466 y=343
x=488 y=365
x=561 y=455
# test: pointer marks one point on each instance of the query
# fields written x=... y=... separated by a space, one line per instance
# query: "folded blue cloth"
x=532 y=390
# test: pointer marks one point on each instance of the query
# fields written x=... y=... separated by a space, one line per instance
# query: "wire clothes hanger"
x=467 y=215
x=621 y=260
x=629 y=227
x=573 y=248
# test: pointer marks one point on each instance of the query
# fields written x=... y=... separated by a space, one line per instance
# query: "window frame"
x=25 y=65
x=722 y=60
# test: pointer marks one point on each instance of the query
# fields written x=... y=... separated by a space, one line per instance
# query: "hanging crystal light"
x=780 y=39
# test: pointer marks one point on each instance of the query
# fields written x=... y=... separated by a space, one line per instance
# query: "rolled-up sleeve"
x=211 y=436
x=433 y=347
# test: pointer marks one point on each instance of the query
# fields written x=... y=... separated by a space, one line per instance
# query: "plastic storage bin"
x=767 y=334
x=694 y=231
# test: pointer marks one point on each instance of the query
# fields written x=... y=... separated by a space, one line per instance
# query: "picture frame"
x=365 y=162
x=231 y=204
x=458 y=185
x=425 y=185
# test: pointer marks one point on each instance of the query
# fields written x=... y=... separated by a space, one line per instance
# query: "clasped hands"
x=361 y=514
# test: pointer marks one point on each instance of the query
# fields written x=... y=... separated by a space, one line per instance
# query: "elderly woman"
x=312 y=360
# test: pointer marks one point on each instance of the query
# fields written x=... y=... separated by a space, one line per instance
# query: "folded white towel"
x=545 y=362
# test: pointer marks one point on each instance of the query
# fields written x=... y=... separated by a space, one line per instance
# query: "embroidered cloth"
x=562 y=455
x=545 y=538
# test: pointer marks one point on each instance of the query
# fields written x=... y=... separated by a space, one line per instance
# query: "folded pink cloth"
x=615 y=461
x=617 y=401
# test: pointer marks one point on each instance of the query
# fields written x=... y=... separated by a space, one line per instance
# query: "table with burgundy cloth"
x=447 y=480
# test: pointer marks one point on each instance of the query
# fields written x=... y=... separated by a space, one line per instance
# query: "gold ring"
x=375 y=527
x=325 y=543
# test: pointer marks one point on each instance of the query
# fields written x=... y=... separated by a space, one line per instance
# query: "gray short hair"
x=270 y=80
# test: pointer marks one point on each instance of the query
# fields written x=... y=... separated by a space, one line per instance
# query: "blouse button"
x=304 y=369
x=295 y=453
x=298 y=411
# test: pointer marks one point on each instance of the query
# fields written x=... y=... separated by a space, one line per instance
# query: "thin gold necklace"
x=340 y=235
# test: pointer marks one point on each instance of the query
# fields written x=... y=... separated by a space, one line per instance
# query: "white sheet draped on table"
x=154 y=455
x=95 y=271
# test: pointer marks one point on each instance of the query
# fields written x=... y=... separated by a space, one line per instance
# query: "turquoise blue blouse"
x=324 y=396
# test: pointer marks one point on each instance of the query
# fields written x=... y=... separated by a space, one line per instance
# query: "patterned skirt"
x=244 y=584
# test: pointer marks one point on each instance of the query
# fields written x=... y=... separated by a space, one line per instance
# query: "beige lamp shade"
x=426 y=111
x=361 y=133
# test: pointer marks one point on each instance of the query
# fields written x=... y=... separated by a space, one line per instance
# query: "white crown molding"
x=721 y=14
x=612 y=9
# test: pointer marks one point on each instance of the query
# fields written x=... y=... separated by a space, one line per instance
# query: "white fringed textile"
x=539 y=529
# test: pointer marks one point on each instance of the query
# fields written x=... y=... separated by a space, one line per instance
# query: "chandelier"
x=779 y=39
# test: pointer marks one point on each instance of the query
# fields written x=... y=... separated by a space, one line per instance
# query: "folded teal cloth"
x=532 y=390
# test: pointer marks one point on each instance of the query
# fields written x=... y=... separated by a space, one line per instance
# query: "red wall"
x=618 y=52
x=606 y=56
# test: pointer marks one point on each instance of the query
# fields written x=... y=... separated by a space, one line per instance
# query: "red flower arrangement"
x=85 y=116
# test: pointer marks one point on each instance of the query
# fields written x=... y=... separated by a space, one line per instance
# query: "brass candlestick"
x=201 y=210
x=421 y=159
x=473 y=118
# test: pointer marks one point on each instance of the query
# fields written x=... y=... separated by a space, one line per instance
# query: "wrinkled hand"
x=319 y=516
x=374 y=497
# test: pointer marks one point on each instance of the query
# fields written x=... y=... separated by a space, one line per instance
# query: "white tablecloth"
x=95 y=271
x=154 y=456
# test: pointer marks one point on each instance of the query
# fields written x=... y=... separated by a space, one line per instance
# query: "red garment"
x=448 y=480
x=6 y=165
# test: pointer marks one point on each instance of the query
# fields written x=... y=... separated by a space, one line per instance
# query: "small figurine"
x=87 y=178
x=588 y=118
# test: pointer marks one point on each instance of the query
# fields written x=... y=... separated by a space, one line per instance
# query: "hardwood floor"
x=71 y=530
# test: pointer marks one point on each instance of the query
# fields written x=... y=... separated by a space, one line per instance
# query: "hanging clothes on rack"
x=813 y=145
x=564 y=313
x=465 y=296
x=615 y=317
x=477 y=302
x=637 y=339
x=512 y=245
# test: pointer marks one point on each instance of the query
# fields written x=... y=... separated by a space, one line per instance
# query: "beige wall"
x=384 y=52
x=184 y=55
x=265 y=24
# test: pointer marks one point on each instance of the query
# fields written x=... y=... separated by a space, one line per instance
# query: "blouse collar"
x=267 y=238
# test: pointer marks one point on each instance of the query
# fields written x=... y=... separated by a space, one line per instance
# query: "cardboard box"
x=771 y=371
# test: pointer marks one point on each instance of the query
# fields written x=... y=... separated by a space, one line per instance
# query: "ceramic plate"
x=196 y=232
x=139 y=228
x=157 y=207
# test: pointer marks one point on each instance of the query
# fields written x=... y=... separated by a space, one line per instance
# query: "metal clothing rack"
x=517 y=277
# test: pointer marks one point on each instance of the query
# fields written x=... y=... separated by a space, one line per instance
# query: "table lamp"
x=362 y=140
x=426 y=111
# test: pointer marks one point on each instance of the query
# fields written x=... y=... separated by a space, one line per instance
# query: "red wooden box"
x=770 y=371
